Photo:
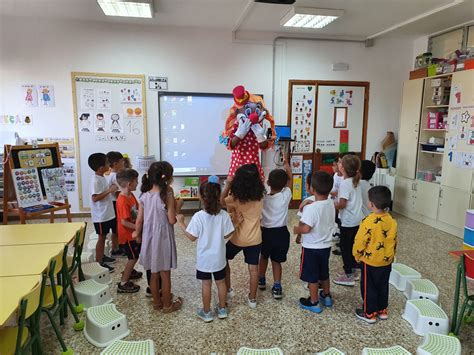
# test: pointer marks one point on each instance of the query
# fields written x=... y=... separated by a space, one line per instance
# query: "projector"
x=277 y=2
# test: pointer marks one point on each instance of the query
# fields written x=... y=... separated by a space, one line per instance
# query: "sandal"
x=175 y=306
x=157 y=307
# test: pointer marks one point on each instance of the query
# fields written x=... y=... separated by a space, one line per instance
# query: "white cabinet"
x=453 y=204
x=403 y=199
x=426 y=198
x=409 y=128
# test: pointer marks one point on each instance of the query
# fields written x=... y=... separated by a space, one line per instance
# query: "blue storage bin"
x=469 y=236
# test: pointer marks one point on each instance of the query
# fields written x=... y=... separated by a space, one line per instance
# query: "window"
x=443 y=45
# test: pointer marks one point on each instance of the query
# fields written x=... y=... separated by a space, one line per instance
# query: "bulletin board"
x=109 y=115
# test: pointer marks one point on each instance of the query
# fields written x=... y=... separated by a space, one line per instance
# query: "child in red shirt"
x=127 y=209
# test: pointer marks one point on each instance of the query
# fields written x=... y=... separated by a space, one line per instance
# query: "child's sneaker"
x=136 y=275
x=356 y=273
x=119 y=253
x=148 y=292
x=369 y=318
x=128 y=287
x=383 y=314
x=110 y=268
x=345 y=280
x=252 y=303
x=325 y=300
x=306 y=303
x=108 y=260
x=262 y=284
x=206 y=317
x=277 y=292
x=222 y=313
x=230 y=294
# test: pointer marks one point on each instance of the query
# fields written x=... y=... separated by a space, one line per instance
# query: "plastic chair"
x=17 y=340
x=104 y=325
x=421 y=289
x=425 y=316
x=465 y=271
x=394 y=350
x=55 y=299
x=249 y=351
x=331 y=351
x=142 y=347
x=437 y=344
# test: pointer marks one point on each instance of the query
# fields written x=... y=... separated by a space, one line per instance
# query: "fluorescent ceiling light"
x=124 y=8
x=308 y=17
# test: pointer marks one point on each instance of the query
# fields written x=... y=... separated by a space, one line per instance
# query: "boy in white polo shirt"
x=275 y=235
x=317 y=225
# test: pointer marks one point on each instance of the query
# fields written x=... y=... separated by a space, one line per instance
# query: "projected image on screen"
x=190 y=125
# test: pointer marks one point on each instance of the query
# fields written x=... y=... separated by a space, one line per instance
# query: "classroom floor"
x=281 y=323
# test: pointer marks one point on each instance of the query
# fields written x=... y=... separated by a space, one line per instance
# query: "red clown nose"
x=253 y=118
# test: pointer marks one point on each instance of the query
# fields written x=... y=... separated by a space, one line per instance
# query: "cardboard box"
x=418 y=73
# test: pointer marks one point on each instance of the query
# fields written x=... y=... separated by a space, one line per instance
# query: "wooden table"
x=20 y=260
x=24 y=234
x=12 y=289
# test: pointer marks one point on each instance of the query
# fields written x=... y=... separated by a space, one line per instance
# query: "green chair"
x=466 y=262
x=73 y=264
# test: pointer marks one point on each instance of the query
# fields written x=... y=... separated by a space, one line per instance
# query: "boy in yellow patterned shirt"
x=374 y=248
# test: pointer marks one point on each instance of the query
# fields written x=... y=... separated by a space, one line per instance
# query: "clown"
x=248 y=128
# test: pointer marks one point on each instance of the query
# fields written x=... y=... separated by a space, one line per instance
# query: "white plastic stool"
x=91 y=246
x=96 y=272
x=249 y=351
x=331 y=351
x=425 y=316
x=421 y=289
x=142 y=347
x=93 y=236
x=91 y=293
x=104 y=325
x=394 y=350
x=437 y=344
x=401 y=274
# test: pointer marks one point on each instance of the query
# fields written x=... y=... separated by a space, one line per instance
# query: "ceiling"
x=361 y=19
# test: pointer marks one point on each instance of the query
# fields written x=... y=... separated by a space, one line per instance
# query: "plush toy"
x=248 y=128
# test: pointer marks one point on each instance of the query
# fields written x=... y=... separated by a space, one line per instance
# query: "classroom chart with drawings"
x=109 y=115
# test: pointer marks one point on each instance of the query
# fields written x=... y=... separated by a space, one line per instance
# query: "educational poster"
x=46 y=95
x=85 y=122
x=132 y=110
x=130 y=95
x=297 y=187
x=29 y=95
x=54 y=183
x=69 y=169
x=296 y=164
x=302 y=118
x=307 y=170
x=87 y=99
x=27 y=187
x=453 y=122
x=116 y=125
x=99 y=123
x=104 y=99
x=341 y=96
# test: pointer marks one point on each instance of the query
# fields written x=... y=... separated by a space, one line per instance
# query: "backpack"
x=380 y=160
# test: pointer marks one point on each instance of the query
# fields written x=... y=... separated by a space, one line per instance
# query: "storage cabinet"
x=453 y=204
x=426 y=198
x=403 y=198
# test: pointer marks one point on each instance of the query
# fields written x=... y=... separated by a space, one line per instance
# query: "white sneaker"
x=230 y=294
x=251 y=303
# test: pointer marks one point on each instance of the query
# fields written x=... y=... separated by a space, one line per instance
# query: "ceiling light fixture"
x=124 y=8
x=308 y=17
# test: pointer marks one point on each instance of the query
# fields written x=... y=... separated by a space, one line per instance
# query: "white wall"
x=40 y=51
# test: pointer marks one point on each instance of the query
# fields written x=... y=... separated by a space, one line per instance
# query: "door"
x=409 y=128
x=426 y=198
x=403 y=194
x=453 y=204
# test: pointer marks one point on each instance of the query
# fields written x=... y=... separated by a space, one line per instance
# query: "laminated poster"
x=307 y=170
x=46 y=95
x=297 y=187
x=29 y=95
x=104 y=99
x=302 y=118
x=296 y=164
x=54 y=183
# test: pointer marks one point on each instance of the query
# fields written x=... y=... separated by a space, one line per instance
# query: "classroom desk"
x=19 y=260
x=12 y=289
x=23 y=234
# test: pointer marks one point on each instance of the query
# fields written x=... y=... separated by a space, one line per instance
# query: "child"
x=275 y=235
x=127 y=164
x=374 y=247
x=210 y=227
x=338 y=178
x=102 y=208
x=243 y=196
x=350 y=213
x=127 y=209
x=116 y=163
x=367 y=170
x=307 y=201
x=156 y=217
x=317 y=226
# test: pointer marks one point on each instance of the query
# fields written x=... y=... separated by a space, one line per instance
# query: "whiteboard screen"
x=190 y=125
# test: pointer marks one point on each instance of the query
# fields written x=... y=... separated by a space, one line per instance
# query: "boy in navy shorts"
x=275 y=235
x=317 y=227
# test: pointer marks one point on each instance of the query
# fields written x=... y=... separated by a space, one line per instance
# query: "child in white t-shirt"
x=275 y=235
x=210 y=227
x=350 y=213
x=367 y=170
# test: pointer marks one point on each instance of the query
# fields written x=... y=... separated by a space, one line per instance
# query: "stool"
x=437 y=344
x=249 y=351
x=394 y=350
x=331 y=351
x=142 y=347
x=96 y=272
x=91 y=245
x=401 y=274
x=104 y=325
x=421 y=289
x=91 y=293
x=425 y=316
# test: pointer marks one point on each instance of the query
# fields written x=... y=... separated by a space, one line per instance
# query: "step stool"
x=249 y=351
x=425 y=316
x=421 y=289
x=91 y=246
x=93 y=236
x=96 y=272
x=142 y=347
x=401 y=274
x=104 y=325
x=437 y=344
x=331 y=351
x=394 y=350
x=91 y=293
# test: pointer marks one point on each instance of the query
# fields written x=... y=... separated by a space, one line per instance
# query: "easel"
x=10 y=205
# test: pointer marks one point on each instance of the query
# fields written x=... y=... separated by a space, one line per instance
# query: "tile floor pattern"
x=281 y=323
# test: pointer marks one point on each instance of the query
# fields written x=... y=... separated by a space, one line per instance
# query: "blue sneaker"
x=206 y=317
x=262 y=283
x=222 y=313
x=326 y=301
x=306 y=303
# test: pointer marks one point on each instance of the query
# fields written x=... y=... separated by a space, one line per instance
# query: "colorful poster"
x=297 y=187
x=87 y=99
x=296 y=163
x=307 y=170
x=470 y=139
x=130 y=94
x=54 y=183
x=341 y=97
x=344 y=141
x=27 y=187
x=132 y=110
x=46 y=95
x=302 y=118
x=104 y=99
x=29 y=95
x=69 y=168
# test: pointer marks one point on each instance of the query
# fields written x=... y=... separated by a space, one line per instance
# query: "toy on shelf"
x=436 y=120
